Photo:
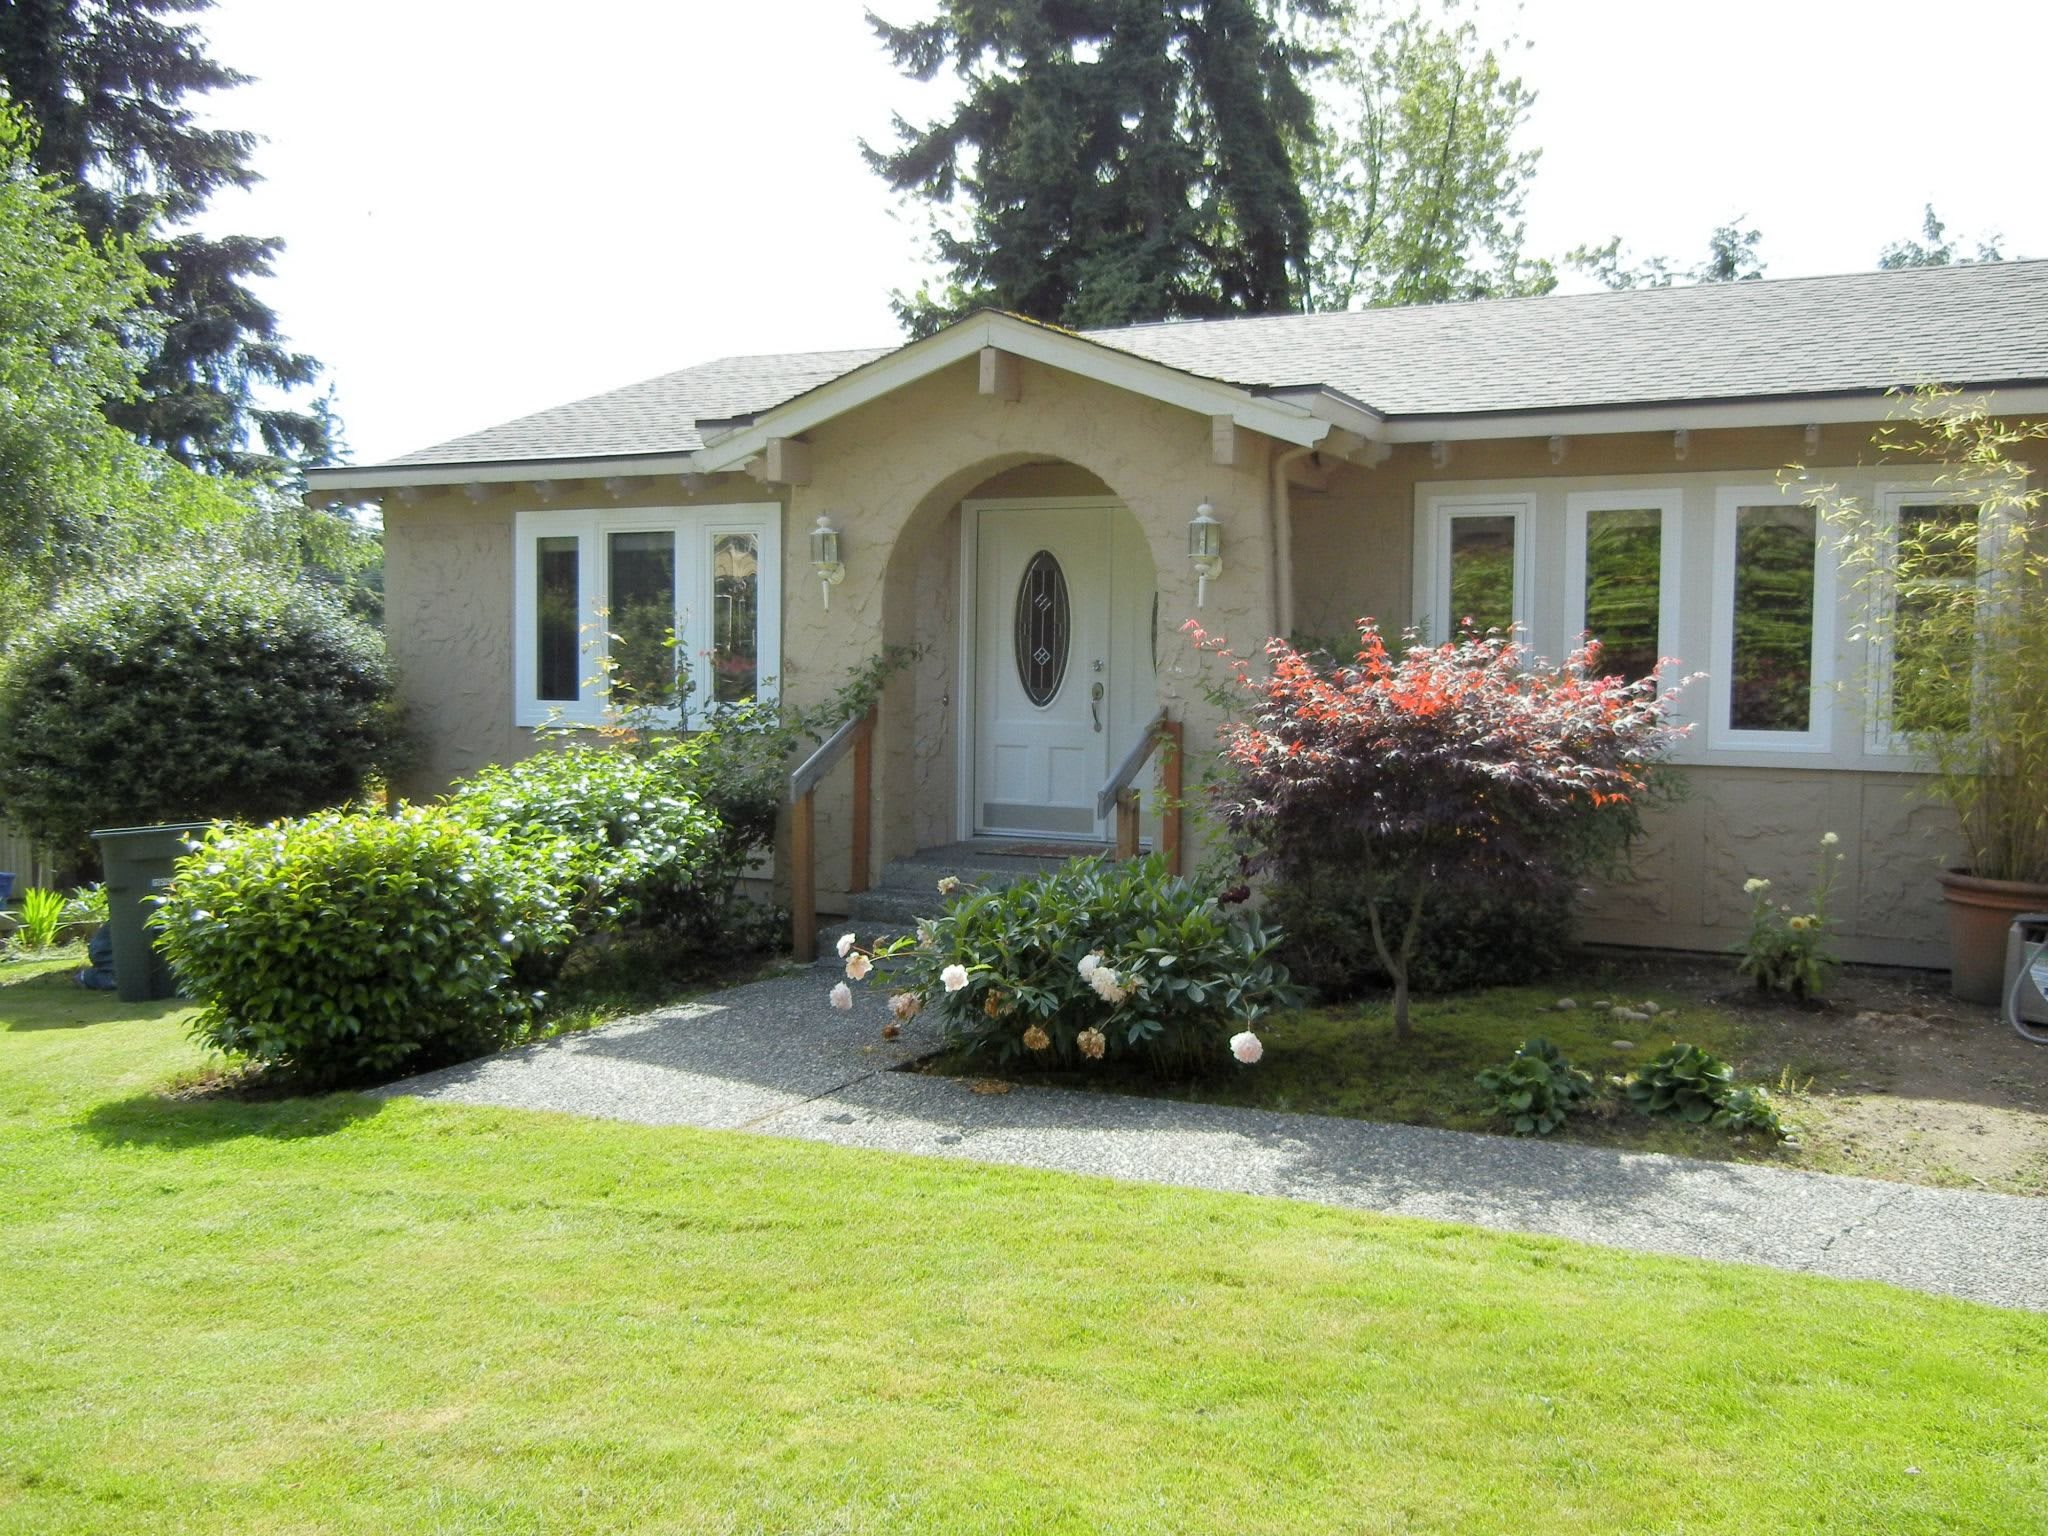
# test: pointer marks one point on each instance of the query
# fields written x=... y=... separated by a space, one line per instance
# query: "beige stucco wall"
x=893 y=474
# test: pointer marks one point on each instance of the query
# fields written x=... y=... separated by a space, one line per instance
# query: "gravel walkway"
x=771 y=1057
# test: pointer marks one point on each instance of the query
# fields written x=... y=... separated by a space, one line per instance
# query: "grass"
x=345 y=1314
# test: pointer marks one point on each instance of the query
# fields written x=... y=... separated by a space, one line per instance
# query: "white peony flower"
x=906 y=1006
x=949 y=884
x=842 y=996
x=845 y=944
x=1088 y=964
x=859 y=966
x=1829 y=839
x=1107 y=985
x=1752 y=885
x=954 y=977
x=1246 y=1048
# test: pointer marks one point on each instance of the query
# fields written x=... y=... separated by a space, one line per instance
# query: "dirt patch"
x=1893 y=1078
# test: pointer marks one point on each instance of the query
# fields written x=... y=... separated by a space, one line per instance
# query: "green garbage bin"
x=138 y=863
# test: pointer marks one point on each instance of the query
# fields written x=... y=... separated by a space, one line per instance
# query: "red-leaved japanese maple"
x=1446 y=767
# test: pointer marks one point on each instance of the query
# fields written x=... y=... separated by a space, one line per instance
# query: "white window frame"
x=1818 y=737
x=1433 y=558
x=1668 y=503
x=695 y=529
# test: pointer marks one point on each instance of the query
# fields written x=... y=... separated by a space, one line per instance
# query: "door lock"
x=1095 y=704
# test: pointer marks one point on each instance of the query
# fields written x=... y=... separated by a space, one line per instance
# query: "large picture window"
x=634 y=608
x=1923 y=654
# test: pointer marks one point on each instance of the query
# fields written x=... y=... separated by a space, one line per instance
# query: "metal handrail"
x=813 y=769
x=1133 y=763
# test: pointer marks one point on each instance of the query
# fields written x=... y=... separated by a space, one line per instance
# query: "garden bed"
x=1893 y=1079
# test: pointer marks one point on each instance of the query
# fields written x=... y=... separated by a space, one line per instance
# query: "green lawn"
x=345 y=1315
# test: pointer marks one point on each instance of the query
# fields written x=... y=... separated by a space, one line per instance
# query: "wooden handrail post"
x=803 y=879
x=1126 y=824
x=1169 y=796
x=863 y=801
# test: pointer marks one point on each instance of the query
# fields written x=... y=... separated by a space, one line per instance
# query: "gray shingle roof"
x=659 y=415
x=1730 y=341
x=1717 y=341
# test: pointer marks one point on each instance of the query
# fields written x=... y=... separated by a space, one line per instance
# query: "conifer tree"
x=104 y=84
x=1110 y=161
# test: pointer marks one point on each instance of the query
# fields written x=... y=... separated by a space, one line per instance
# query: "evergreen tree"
x=1416 y=187
x=1110 y=161
x=104 y=84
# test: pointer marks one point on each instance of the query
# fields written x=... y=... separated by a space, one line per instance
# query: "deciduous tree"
x=1416 y=183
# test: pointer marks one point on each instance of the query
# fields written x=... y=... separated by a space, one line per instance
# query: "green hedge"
x=190 y=692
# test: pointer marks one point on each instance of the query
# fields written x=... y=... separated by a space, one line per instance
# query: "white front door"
x=1063 y=671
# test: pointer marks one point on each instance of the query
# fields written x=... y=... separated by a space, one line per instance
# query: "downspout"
x=1282 y=504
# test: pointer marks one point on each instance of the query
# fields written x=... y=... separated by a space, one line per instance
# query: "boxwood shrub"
x=348 y=947
x=190 y=691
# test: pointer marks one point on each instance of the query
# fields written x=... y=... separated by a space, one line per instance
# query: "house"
x=1018 y=501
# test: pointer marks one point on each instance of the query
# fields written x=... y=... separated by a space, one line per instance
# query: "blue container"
x=6 y=886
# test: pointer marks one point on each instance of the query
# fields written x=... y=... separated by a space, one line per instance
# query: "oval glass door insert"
x=1043 y=631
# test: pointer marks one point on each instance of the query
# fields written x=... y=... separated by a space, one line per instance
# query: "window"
x=1936 y=551
x=1773 y=635
x=1473 y=565
x=1621 y=577
x=648 y=597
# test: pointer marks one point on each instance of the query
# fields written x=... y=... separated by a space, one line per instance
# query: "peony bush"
x=1095 y=962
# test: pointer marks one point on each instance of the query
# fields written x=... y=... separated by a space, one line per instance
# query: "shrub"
x=1787 y=951
x=348 y=947
x=189 y=692
x=1468 y=940
x=640 y=847
x=1457 y=771
x=1536 y=1089
x=1094 y=962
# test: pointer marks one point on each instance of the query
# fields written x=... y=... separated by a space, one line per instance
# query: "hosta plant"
x=1094 y=962
x=1685 y=1081
x=1536 y=1089
x=1749 y=1109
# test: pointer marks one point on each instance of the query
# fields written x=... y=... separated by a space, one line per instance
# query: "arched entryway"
x=1030 y=593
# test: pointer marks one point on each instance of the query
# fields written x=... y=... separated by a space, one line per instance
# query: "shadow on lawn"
x=159 y=1120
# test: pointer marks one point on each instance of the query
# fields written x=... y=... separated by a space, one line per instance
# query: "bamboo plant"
x=1956 y=614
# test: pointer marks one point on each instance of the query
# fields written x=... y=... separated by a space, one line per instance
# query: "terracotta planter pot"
x=1980 y=913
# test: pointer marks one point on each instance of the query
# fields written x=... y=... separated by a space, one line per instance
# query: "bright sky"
x=493 y=206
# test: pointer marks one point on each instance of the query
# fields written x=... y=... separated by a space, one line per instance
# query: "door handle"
x=1095 y=706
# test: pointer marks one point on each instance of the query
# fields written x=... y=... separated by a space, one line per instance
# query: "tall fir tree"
x=104 y=83
x=1109 y=161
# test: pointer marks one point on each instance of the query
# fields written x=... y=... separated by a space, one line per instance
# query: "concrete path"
x=773 y=1057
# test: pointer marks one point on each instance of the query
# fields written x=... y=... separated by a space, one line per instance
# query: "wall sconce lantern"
x=825 y=557
x=1205 y=550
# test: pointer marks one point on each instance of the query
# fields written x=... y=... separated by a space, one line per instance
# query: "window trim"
x=1818 y=737
x=1668 y=502
x=695 y=529
x=1433 y=573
